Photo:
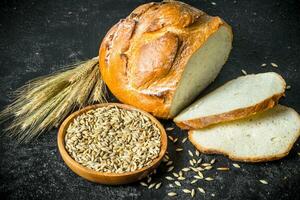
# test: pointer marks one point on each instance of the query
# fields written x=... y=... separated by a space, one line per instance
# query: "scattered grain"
x=170 y=168
x=274 y=64
x=169 y=178
x=244 y=72
x=209 y=179
x=179 y=149
x=201 y=190
x=263 y=181
x=169 y=163
x=151 y=185
x=144 y=184
x=177 y=183
x=263 y=65
x=236 y=165
x=187 y=191
x=172 y=194
x=184 y=140
x=223 y=168
x=157 y=185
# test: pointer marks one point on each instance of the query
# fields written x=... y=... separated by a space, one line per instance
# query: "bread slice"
x=236 y=99
x=266 y=136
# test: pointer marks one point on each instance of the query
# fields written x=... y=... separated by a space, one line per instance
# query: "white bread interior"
x=266 y=136
x=202 y=68
x=240 y=93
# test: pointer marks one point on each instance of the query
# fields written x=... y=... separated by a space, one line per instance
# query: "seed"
x=169 y=178
x=264 y=64
x=213 y=161
x=186 y=191
x=186 y=169
x=170 y=168
x=191 y=162
x=170 y=128
x=194 y=181
x=179 y=149
x=213 y=195
x=244 y=72
x=175 y=174
x=206 y=164
x=223 y=168
x=167 y=157
x=184 y=140
x=193 y=192
x=194 y=169
x=199 y=161
x=201 y=190
x=198 y=177
x=151 y=185
x=298 y=153
x=175 y=140
x=208 y=167
x=149 y=179
x=170 y=185
x=180 y=173
x=208 y=179
x=190 y=153
x=263 y=182
x=197 y=153
x=181 y=178
x=177 y=183
x=89 y=139
x=169 y=163
x=213 y=3
x=274 y=65
x=194 y=161
x=200 y=174
x=157 y=185
x=288 y=87
x=144 y=184
x=171 y=138
x=172 y=194
x=236 y=165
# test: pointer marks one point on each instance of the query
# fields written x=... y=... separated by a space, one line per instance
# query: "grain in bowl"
x=112 y=139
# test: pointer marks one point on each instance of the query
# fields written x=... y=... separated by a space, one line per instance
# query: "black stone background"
x=40 y=36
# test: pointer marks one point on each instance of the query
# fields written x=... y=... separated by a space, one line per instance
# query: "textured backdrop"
x=39 y=37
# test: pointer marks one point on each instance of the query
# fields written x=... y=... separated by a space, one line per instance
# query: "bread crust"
x=230 y=116
x=143 y=56
x=243 y=159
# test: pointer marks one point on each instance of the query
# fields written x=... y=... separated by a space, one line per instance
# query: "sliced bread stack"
x=242 y=120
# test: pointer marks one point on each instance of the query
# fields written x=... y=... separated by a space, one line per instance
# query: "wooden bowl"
x=103 y=177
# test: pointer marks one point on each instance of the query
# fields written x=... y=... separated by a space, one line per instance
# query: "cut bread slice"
x=236 y=99
x=266 y=136
x=202 y=69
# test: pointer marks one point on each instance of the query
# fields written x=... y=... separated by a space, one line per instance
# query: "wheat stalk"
x=45 y=102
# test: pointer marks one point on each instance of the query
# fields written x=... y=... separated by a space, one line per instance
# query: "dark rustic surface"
x=39 y=37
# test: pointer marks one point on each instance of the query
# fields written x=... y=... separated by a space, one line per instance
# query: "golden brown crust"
x=230 y=116
x=143 y=56
x=241 y=159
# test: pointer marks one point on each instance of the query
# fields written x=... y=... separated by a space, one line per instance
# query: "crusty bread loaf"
x=236 y=99
x=162 y=55
x=266 y=136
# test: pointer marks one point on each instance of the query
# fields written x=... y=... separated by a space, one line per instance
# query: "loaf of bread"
x=238 y=98
x=266 y=136
x=163 y=55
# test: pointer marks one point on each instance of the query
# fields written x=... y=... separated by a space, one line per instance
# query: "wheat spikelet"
x=44 y=102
